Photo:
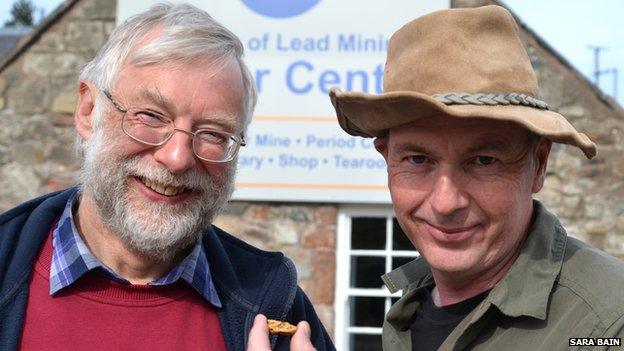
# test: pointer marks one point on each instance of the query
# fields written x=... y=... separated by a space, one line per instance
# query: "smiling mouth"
x=451 y=234
x=452 y=230
x=162 y=189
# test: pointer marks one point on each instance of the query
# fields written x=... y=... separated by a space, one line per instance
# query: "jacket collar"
x=523 y=291
x=526 y=288
x=23 y=229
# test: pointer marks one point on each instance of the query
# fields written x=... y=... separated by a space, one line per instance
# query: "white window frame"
x=343 y=291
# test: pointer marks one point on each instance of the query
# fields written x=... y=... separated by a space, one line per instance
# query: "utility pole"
x=597 y=50
x=598 y=72
x=613 y=71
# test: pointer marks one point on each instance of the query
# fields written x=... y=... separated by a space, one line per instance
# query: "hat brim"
x=371 y=115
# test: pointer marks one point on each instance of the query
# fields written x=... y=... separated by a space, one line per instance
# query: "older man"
x=466 y=144
x=129 y=260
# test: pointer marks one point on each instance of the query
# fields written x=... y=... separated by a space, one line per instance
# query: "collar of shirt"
x=71 y=259
x=524 y=291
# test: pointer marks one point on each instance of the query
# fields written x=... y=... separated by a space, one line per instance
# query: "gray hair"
x=188 y=34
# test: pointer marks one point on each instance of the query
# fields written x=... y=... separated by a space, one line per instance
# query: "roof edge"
x=37 y=31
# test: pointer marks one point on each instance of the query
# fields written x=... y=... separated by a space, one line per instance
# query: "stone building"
x=336 y=247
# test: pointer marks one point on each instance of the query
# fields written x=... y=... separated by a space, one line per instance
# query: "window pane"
x=366 y=311
x=365 y=342
x=368 y=233
x=399 y=240
x=399 y=261
x=366 y=271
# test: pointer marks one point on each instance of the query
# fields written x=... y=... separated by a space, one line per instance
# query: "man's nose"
x=177 y=153
x=448 y=195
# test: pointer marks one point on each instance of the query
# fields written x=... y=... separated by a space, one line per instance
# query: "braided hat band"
x=490 y=99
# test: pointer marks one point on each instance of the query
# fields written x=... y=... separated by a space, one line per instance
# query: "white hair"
x=188 y=34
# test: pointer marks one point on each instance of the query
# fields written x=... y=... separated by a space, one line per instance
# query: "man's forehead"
x=442 y=125
x=136 y=89
x=467 y=135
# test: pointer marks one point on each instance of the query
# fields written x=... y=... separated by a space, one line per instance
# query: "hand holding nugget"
x=259 y=334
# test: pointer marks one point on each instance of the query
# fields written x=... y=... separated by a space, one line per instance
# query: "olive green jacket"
x=558 y=288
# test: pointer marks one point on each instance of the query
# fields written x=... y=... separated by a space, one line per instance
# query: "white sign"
x=297 y=50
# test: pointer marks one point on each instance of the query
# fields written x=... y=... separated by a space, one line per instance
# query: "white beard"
x=154 y=229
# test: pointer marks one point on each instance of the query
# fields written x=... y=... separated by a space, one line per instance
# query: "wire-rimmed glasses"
x=152 y=128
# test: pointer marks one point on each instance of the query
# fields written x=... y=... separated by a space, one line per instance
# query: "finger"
x=301 y=340
x=259 y=335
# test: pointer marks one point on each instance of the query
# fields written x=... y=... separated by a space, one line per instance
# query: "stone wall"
x=37 y=100
x=585 y=194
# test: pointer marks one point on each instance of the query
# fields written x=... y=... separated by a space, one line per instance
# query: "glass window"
x=366 y=311
x=370 y=243
x=367 y=271
x=369 y=233
x=399 y=240
x=365 y=342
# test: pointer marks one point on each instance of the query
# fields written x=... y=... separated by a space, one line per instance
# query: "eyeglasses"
x=152 y=128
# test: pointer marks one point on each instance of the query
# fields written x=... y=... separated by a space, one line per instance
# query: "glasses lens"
x=146 y=126
x=214 y=146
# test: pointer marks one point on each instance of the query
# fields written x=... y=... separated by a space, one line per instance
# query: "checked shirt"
x=71 y=259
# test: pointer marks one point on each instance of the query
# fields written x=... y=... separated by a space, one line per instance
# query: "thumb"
x=259 y=335
x=301 y=340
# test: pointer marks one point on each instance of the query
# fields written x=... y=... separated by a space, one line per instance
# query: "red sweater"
x=96 y=313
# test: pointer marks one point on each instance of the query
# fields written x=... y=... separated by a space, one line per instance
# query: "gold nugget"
x=279 y=327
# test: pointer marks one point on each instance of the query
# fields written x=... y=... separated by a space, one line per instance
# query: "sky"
x=569 y=26
x=573 y=25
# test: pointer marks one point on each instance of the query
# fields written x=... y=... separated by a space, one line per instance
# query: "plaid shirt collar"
x=71 y=259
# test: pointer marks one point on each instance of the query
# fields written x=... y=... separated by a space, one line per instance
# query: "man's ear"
x=83 y=118
x=542 y=150
x=381 y=145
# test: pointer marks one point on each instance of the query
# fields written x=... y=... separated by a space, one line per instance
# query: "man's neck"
x=107 y=247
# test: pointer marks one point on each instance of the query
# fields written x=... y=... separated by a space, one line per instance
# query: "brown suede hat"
x=463 y=63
